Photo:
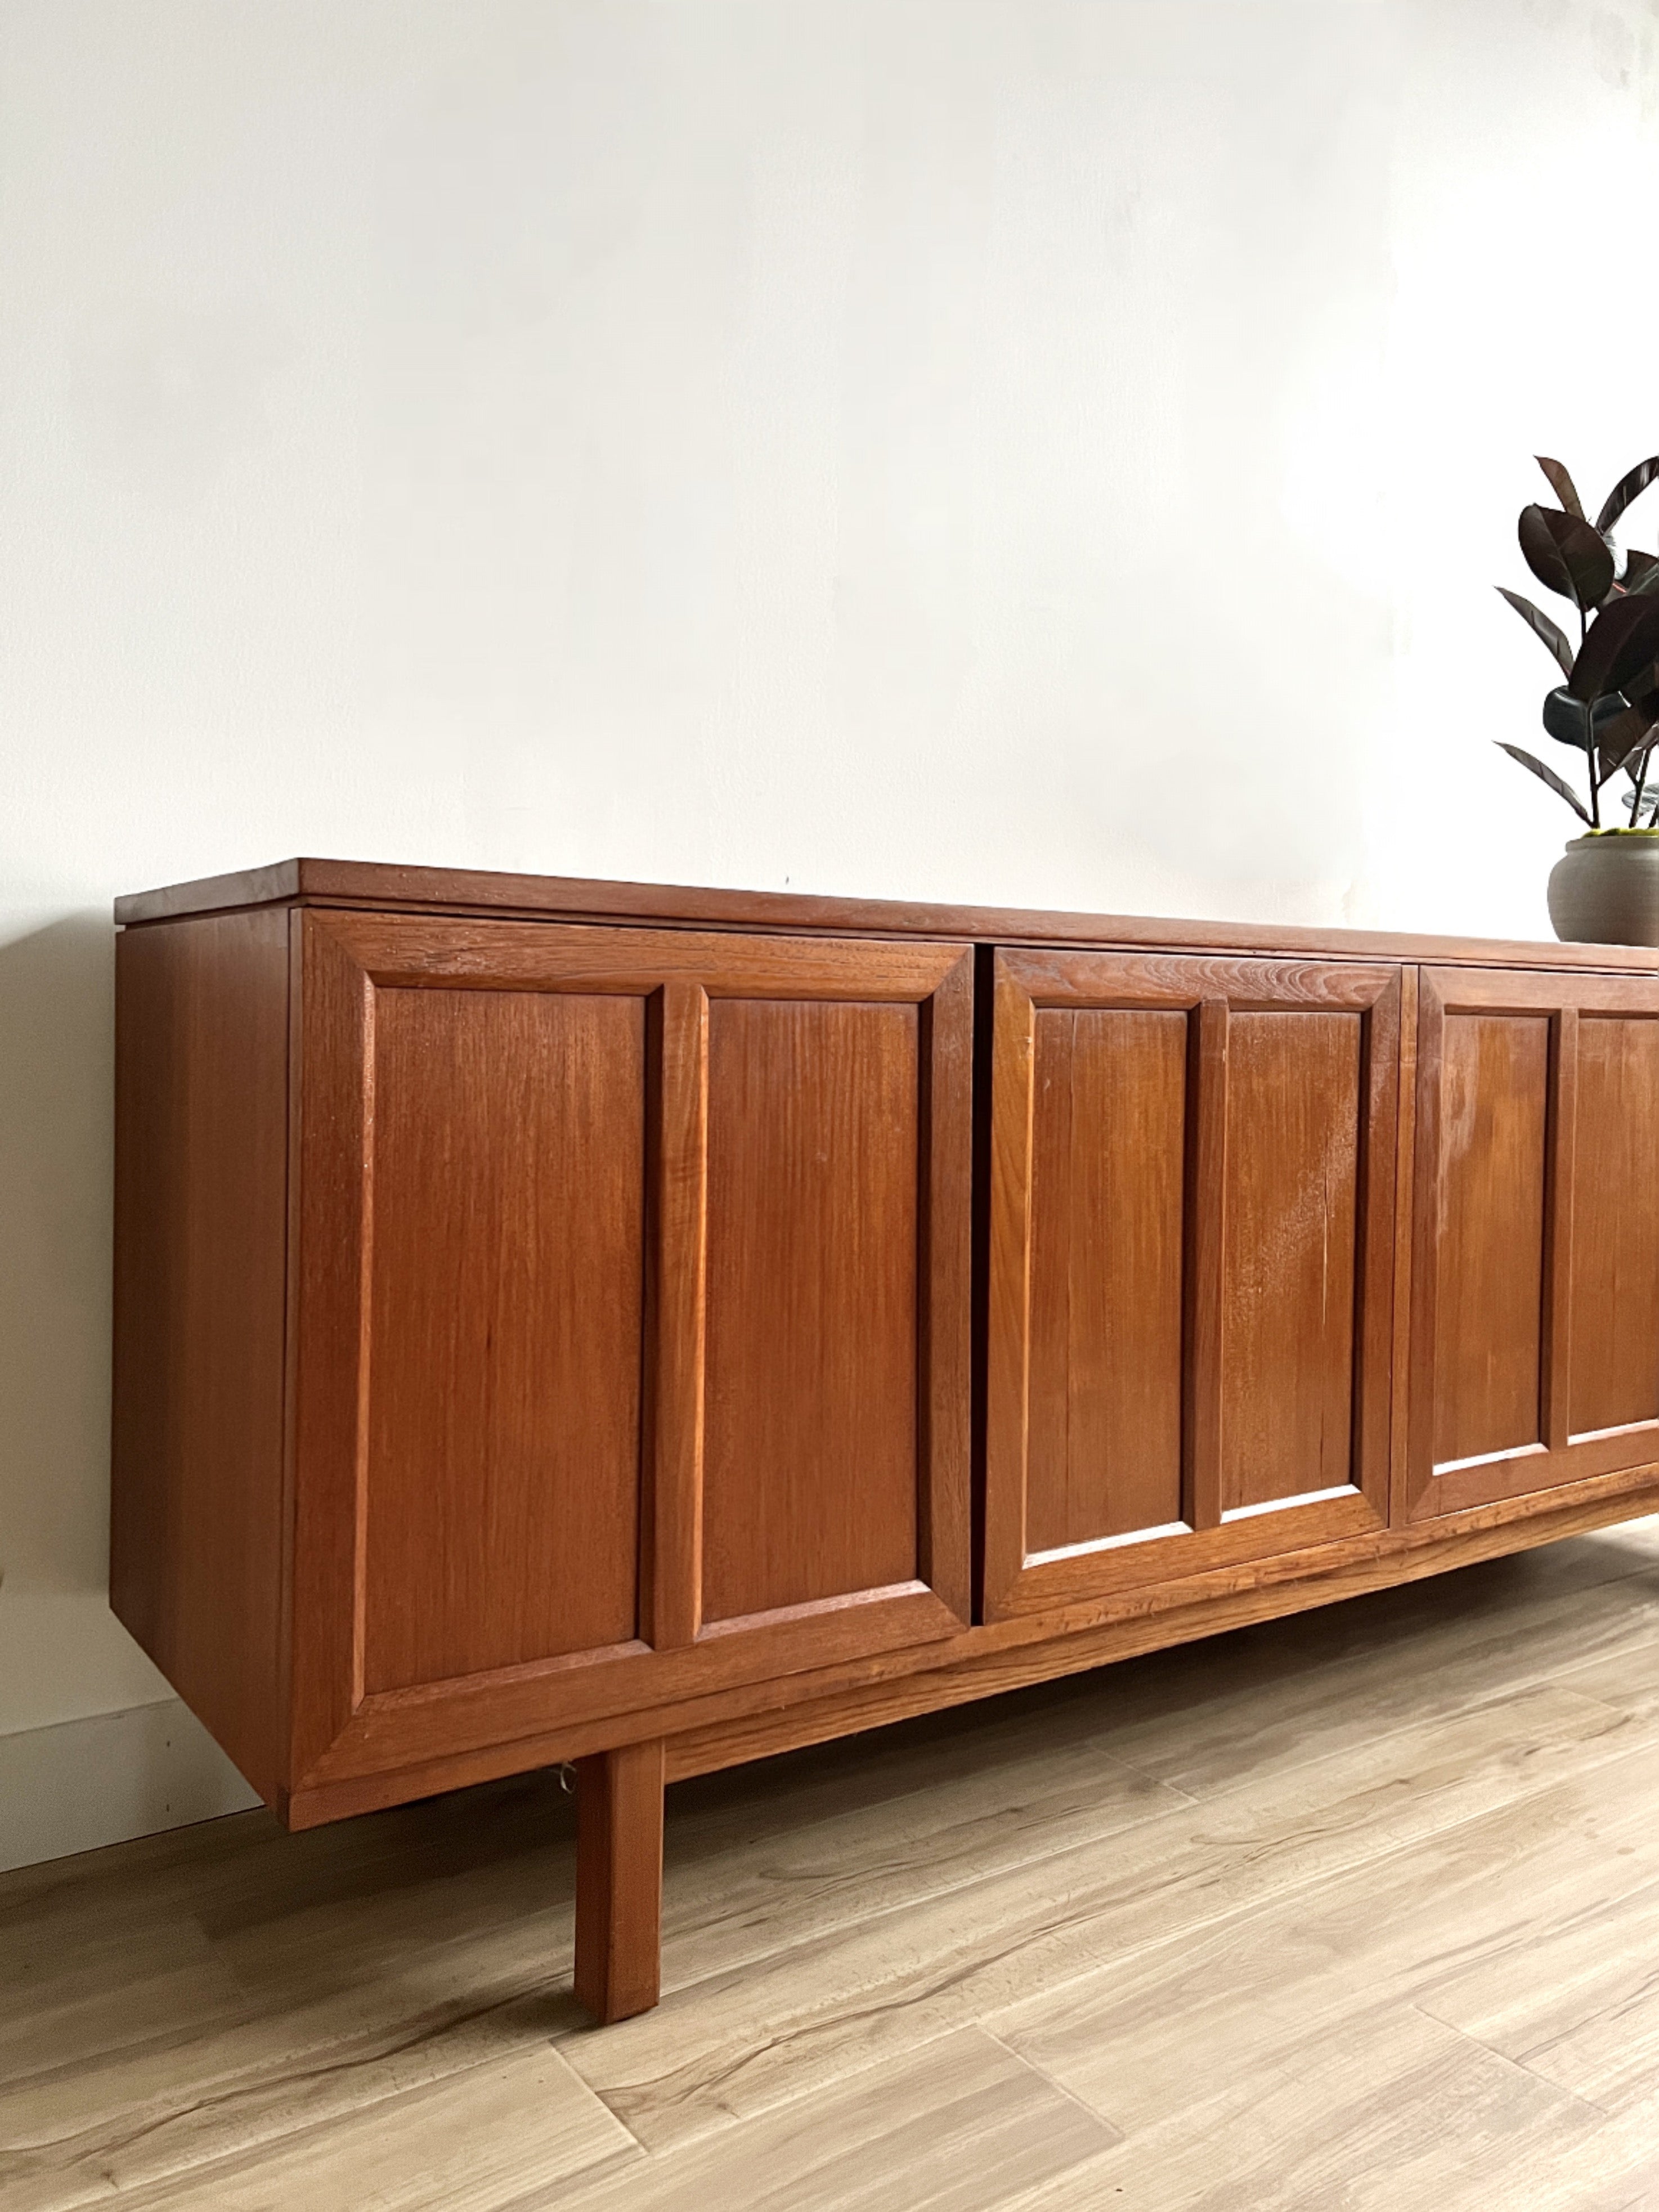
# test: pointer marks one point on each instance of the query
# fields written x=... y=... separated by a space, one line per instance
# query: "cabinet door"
x=632 y=1298
x=1534 y=1343
x=1191 y=1217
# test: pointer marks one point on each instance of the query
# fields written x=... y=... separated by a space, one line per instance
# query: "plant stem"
x=1589 y=728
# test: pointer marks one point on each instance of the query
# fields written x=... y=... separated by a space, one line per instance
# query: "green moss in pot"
x=1605 y=888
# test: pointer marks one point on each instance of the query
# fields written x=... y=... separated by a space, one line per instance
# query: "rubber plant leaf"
x=1618 y=738
x=1540 y=625
x=1641 y=571
x=1623 y=739
x=1629 y=486
x=1626 y=760
x=1566 y=555
x=1562 y=485
x=1547 y=776
x=1622 y=643
x=1570 y=722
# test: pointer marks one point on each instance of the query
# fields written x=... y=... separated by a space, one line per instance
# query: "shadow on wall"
x=56 y=1062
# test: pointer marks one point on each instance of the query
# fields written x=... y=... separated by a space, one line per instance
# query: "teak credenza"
x=654 y=1329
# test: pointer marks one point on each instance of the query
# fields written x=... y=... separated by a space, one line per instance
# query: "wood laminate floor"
x=1356 y=1910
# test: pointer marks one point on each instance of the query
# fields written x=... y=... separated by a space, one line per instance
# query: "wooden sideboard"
x=653 y=1328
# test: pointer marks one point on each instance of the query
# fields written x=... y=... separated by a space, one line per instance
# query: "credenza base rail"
x=704 y=1736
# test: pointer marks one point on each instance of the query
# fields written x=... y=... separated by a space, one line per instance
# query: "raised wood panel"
x=811 y=1470
x=503 y=1420
x=1535 y=1329
x=634 y=1303
x=1108 y=1166
x=1190 y=1263
x=197 y=1536
x=1615 y=1260
x=1296 y=1121
x=1495 y=1118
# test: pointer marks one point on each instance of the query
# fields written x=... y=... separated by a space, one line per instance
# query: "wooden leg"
x=619 y=1881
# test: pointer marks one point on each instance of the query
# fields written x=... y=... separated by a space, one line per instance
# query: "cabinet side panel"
x=1109 y=1142
x=812 y=1459
x=1615 y=1263
x=201 y=1177
x=503 y=1443
x=1489 y=1308
x=1295 y=1112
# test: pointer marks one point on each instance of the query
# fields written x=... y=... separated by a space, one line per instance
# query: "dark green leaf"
x=1562 y=485
x=1547 y=775
x=1566 y=555
x=1540 y=625
x=1629 y=486
x=1637 y=567
x=1566 y=719
x=1569 y=722
x=1622 y=642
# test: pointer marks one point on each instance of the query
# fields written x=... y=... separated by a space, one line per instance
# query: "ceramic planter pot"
x=1605 y=889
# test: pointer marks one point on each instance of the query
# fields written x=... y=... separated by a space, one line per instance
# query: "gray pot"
x=1605 y=891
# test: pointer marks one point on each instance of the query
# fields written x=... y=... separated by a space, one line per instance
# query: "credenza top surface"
x=390 y=887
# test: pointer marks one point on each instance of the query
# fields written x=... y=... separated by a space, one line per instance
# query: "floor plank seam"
x=1101 y=2119
x=1134 y=1955
x=1513 y=2065
x=265 y=2085
x=156 y=2188
x=729 y=2122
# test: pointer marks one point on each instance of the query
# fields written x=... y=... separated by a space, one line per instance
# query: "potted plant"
x=1605 y=888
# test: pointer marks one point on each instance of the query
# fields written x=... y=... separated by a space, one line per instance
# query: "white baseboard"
x=82 y=1784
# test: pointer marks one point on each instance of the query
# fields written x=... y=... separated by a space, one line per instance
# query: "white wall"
x=1013 y=450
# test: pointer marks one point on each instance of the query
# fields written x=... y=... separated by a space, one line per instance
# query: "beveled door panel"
x=507 y=1281
x=1534 y=1334
x=809 y=1469
x=1106 y=1230
x=1294 y=1136
x=632 y=1309
x=1192 y=1182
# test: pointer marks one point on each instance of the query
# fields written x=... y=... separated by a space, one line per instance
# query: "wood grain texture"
x=544 y=1168
x=389 y=887
x=502 y=1453
x=1203 y=1384
x=1614 y=1290
x=1108 y=1155
x=961 y=2125
x=1396 y=1350
x=1192 y=1173
x=198 y=1519
x=1296 y=1122
x=861 y=1996
x=811 y=1481
x=1495 y=1118
x=676 y=1348
x=619 y=1817
x=1534 y=1266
